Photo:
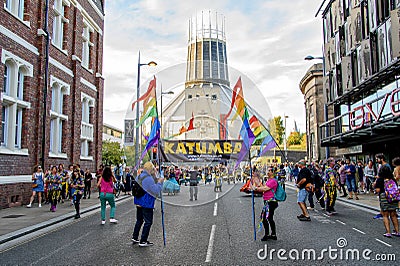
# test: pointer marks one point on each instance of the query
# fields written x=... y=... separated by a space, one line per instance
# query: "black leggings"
x=77 y=201
x=269 y=222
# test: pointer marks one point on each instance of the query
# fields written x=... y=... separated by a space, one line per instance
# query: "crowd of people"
x=57 y=185
x=325 y=180
x=328 y=180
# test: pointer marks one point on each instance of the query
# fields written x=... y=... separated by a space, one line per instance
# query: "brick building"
x=51 y=69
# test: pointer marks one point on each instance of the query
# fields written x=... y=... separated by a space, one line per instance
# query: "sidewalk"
x=19 y=221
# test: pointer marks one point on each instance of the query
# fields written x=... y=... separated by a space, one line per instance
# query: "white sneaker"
x=29 y=205
x=103 y=222
x=40 y=205
x=113 y=221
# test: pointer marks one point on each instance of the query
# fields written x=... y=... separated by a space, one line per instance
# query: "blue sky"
x=266 y=40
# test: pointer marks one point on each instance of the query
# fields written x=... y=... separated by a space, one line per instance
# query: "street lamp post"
x=161 y=109
x=151 y=63
x=308 y=58
x=284 y=140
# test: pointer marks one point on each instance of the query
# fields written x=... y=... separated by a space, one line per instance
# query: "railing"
x=367 y=115
x=86 y=131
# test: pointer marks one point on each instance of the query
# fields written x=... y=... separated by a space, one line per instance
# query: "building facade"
x=52 y=89
x=113 y=134
x=312 y=89
x=361 y=77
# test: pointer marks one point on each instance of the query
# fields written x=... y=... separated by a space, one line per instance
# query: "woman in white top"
x=37 y=185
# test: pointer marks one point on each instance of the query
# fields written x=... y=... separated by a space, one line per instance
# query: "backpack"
x=137 y=190
x=280 y=193
x=391 y=191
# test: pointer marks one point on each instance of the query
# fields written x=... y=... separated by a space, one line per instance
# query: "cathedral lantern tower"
x=206 y=75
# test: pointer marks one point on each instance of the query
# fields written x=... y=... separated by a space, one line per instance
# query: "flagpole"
x=159 y=169
x=252 y=199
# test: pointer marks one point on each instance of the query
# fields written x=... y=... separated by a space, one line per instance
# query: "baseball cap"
x=302 y=162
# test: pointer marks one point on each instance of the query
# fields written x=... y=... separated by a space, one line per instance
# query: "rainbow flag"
x=267 y=144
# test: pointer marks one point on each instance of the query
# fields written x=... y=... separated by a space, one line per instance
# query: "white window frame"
x=86 y=127
x=58 y=24
x=13 y=103
x=16 y=8
x=86 y=45
x=4 y=126
x=59 y=89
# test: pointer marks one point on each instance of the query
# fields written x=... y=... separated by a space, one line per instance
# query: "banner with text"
x=200 y=150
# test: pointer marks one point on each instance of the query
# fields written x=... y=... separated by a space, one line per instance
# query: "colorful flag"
x=151 y=92
x=191 y=127
x=247 y=136
x=237 y=87
x=183 y=129
x=153 y=139
x=267 y=144
x=258 y=129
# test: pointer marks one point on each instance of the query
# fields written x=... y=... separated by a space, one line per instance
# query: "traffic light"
x=154 y=153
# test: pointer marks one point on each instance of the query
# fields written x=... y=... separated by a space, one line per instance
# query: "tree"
x=276 y=129
x=112 y=152
x=297 y=140
x=130 y=155
x=294 y=138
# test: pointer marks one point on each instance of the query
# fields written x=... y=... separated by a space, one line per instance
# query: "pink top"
x=273 y=184
x=107 y=187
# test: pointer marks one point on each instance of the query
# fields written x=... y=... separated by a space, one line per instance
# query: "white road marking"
x=355 y=229
x=210 y=244
x=340 y=222
x=215 y=209
x=326 y=215
x=64 y=247
x=216 y=196
x=380 y=241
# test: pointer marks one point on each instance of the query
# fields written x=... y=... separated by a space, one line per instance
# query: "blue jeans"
x=146 y=215
x=351 y=184
x=111 y=200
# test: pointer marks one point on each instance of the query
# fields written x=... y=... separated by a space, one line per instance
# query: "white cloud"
x=266 y=40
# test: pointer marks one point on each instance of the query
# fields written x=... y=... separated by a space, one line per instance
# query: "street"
x=217 y=230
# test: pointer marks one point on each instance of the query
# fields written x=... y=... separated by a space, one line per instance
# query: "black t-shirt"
x=193 y=178
x=380 y=183
x=304 y=173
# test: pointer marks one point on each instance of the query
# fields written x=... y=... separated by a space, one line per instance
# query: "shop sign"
x=365 y=114
x=349 y=150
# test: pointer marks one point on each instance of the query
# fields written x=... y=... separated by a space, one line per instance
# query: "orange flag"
x=151 y=92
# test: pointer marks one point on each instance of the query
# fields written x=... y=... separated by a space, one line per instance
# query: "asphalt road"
x=215 y=230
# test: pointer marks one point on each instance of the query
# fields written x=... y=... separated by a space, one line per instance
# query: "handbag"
x=34 y=185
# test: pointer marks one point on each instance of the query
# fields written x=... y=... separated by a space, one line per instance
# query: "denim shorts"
x=351 y=184
x=302 y=195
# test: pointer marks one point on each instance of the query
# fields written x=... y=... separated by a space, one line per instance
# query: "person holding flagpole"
x=270 y=203
x=152 y=187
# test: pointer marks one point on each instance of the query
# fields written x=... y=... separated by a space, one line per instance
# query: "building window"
x=4 y=123
x=87 y=128
x=87 y=45
x=13 y=105
x=57 y=119
x=16 y=7
x=59 y=23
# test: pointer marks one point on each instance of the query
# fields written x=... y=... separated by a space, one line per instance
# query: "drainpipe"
x=46 y=78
